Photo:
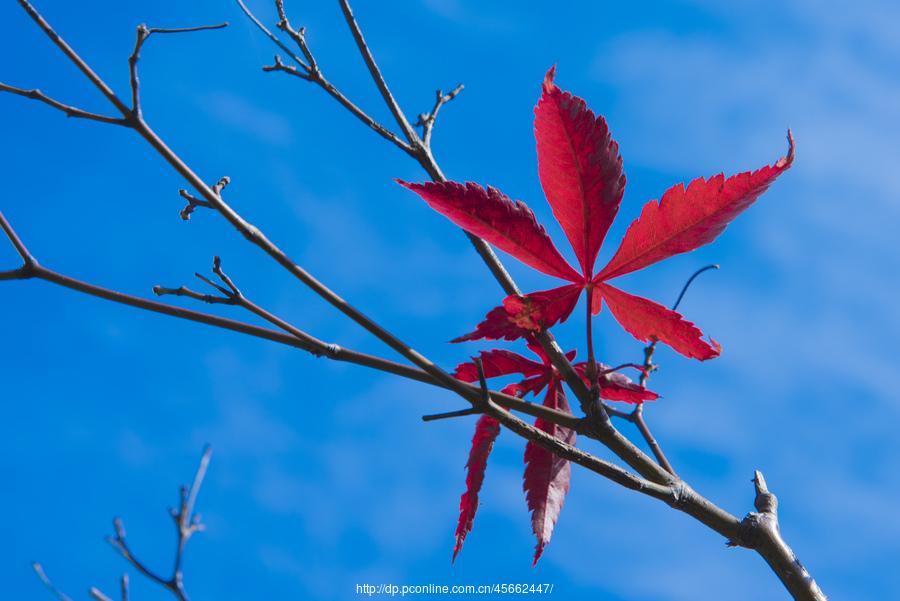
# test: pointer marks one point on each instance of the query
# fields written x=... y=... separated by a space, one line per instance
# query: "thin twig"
x=637 y=415
x=690 y=281
x=98 y=595
x=76 y=60
x=423 y=155
x=427 y=120
x=306 y=72
x=42 y=576
x=656 y=482
x=70 y=111
x=143 y=33
x=600 y=427
x=294 y=337
x=194 y=202
x=186 y=524
x=377 y=77
x=450 y=414
x=299 y=37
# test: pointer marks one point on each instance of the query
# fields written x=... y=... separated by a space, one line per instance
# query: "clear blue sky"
x=323 y=476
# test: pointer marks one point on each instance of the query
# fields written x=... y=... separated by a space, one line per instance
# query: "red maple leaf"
x=581 y=173
x=546 y=479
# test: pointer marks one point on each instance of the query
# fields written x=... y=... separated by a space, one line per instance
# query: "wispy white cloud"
x=243 y=115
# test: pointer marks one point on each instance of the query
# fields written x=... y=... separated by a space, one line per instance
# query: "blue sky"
x=323 y=476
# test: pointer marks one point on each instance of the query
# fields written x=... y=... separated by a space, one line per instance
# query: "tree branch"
x=423 y=155
x=652 y=480
x=427 y=120
x=637 y=415
x=187 y=522
x=311 y=72
x=377 y=77
x=294 y=337
x=42 y=576
x=142 y=35
x=760 y=531
x=70 y=111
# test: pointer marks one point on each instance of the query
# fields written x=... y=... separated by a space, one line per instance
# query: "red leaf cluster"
x=582 y=177
x=546 y=479
x=581 y=173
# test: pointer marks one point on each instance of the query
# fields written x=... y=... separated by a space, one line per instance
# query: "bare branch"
x=119 y=543
x=295 y=337
x=194 y=202
x=76 y=60
x=637 y=415
x=688 y=283
x=98 y=595
x=274 y=38
x=599 y=428
x=575 y=455
x=377 y=77
x=299 y=37
x=305 y=71
x=143 y=33
x=21 y=249
x=450 y=414
x=186 y=524
x=760 y=531
x=427 y=120
x=70 y=111
x=39 y=571
x=652 y=479
x=424 y=157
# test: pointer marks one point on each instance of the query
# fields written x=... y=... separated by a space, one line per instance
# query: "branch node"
x=427 y=120
x=193 y=202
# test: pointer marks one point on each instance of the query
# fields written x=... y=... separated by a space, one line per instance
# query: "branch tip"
x=765 y=501
x=451 y=414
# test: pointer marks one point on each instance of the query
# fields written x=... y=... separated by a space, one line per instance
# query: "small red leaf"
x=648 y=321
x=687 y=219
x=546 y=479
x=522 y=316
x=619 y=387
x=616 y=386
x=497 y=325
x=541 y=310
x=496 y=363
x=486 y=431
x=580 y=169
x=529 y=385
x=489 y=214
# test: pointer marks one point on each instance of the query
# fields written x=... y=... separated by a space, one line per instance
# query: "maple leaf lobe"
x=486 y=431
x=580 y=169
x=686 y=218
x=491 y=215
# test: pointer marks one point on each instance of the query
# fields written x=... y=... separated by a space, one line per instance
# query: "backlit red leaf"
x=687 y=219
x=616 y=386
x=580 y=169
x=522 y=316
x=489 y=214
x=619 y=387
x=498 y=362
x=546 y=480
x=486 y=431
x=648 y=321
